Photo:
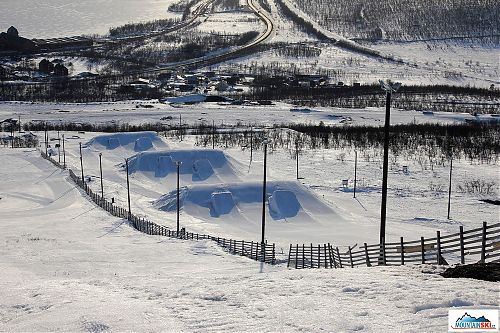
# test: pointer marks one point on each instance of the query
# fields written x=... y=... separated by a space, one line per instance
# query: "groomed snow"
x=68 y=266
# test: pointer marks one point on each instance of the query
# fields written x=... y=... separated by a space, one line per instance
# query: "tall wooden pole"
x=64 y=152
x=180 y=126
x=264 y=195
x=297 y=158
x=81 y=163
x=128 y=189
x=59 y=148
x=213 y=134
x=102 y=183
x=355 y=171
x=449 y=188
x=251 y=144
x=178 y=197
x=383 y=209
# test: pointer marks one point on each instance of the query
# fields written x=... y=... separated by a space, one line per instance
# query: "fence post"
x=274 y=254
x=462 y=250
x=402 y=252
x=332 y=259
x=483 y=244
x=319 y=256
x=324 y=252
x=303 y=256
x=422 y=247
x=340 y=259
x=350 y=257
x=265 y=248
x=367 y=257
x=296 y=256
x=438 y=235
x=251 y=250
x=312 y=261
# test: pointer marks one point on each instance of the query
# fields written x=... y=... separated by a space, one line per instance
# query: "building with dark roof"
x=60 y=70
x=13 y=31
x=10 y=41
x=45 y=66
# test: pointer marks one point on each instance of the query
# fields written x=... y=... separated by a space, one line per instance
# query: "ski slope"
x=67 y=266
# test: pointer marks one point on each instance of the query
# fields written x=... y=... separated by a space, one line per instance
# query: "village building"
x=45 y=66
x=60 y=70
x=11 y=41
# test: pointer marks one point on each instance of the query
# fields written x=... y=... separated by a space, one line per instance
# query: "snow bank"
x=284 y=204
x=137 y=141
x=200 y=164
x=286 y=199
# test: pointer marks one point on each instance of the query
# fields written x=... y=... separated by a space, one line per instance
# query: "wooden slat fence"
x=253 y=250
x=482 y=243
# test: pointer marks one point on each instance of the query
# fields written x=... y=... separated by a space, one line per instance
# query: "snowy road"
x=66 y=266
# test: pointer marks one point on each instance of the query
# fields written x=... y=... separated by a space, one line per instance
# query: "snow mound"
x=243 y=201
x=222 y=203
x=284 y=204
x=201 y=165
x=143 y=144
x=137 y=141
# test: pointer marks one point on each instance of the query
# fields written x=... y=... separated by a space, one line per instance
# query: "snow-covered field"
x=232 y=23
x=425 y=63
x=417 y=199
x=221 y=191
x=68 y=266
x=281 y=113
x=59 y=18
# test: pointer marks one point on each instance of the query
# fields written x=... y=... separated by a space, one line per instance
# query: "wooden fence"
x=253 y=250
x=461 y=247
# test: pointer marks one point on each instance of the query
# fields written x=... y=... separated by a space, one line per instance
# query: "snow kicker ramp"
x=286 y=201
x=197 y=165
x=136 y=141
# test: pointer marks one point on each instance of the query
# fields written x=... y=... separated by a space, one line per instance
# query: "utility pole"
x=46 y=140
x=213 y=134
x=178 y=164
x=264 y=194
x=449 y=188
x=102 y=184
x=64 y=152
x=355 y=171
x=389 y=89
x=128 y=189
x=58 y=148
x=180 y=126
x=297 y=157
x=251 y=144
x=81 y=164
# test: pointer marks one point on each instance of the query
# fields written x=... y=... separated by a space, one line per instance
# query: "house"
x=11 y=41
x=45 y=66
x=60 y=70
x=13 y=31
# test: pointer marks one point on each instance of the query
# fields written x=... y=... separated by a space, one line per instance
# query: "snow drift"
x=136 y=141
x=201 y=164
x=285 y=200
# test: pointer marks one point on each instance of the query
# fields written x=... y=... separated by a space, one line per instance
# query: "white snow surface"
x=59 y=18
x=68 y=266
x=281 y=113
